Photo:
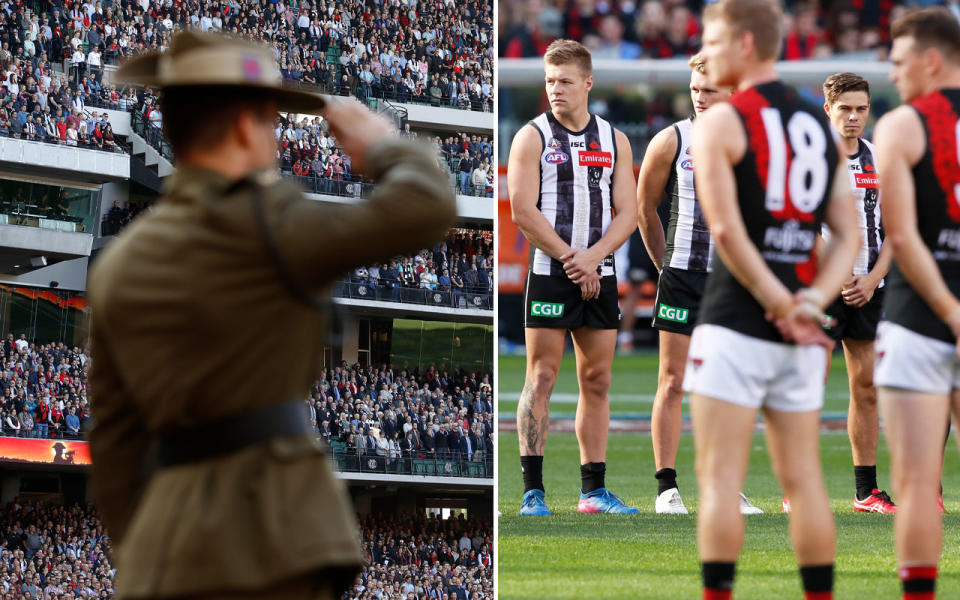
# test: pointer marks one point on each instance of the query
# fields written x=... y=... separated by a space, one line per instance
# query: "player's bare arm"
x=523 y=176
x=721 y=144
x=579 y=264
x=654 y=175
x=839 y=254
x=900 y=145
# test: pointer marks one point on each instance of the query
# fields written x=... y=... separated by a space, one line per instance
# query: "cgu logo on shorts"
x=556 y=158
x=672 y=313
x=546 y=309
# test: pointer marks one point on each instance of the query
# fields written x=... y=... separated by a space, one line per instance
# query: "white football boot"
x=670 y=503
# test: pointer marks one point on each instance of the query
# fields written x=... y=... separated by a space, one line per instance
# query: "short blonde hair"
x=698 y=64
x=563 y=52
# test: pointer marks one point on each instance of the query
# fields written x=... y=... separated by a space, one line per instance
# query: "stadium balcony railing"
x=52 y=433
x=152 y=134
x=5 y=132
x=477 y=299
x=335 y=86
x=389 y=93
x=446 y=463
x=341 y=185
x=354 y=186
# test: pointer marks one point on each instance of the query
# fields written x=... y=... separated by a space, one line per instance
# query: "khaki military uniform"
x=192 y=324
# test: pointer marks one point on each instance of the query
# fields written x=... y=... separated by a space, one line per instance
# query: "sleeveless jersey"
x=783 y=183
x=689 y=243
x=862 y=167
x=576 y=187
x=936 y=181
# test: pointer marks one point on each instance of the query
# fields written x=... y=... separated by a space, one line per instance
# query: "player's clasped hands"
x=803 y=322
x=858 y=290
x=581 y=268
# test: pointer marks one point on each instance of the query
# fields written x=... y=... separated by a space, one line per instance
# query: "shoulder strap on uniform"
x=294 y=287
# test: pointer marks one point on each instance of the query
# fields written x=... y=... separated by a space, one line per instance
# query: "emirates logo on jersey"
x=595 y=159
x=867 y=180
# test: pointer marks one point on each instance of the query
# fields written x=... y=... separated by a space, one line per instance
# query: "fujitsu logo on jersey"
x=789 y=238
x=949 y=238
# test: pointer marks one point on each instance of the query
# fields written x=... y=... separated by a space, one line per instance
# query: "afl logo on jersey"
x=556 y=158
x=687 y=165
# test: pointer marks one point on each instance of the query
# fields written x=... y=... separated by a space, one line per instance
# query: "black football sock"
x=866 y=477
x=717 y=580
x=666 y=479
x=532 y=468
x=817 y=581
x=592 y=476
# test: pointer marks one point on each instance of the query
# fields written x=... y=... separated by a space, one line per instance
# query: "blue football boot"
x=533 y=504
x=603 y=501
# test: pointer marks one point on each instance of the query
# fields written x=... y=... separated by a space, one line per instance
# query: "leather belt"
x=229 y=435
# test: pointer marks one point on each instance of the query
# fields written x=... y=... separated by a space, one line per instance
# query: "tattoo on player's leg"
x=533 y=430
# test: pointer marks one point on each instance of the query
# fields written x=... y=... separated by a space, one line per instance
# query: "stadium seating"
x=430 y=558
x=449 y=416
x=56 y=552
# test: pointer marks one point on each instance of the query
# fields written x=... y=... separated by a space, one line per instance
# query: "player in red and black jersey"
x=918 y=371
x=767 y=174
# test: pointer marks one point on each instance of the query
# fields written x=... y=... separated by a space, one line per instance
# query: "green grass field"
x=649 y=556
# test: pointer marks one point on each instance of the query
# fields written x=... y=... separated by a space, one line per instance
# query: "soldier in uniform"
x=209 y=478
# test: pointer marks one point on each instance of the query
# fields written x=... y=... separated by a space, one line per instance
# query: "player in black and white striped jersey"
x=570 y=179
x=857 y=311
x=683 y=257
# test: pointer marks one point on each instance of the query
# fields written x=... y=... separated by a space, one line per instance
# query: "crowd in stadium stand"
x=461 y=264
x=307 y=150
x=438 y=53
x=416 y=558
x=43 y=393
x=51 y=65
x=395 y=413
x=43 y=389
x=630 y=29
x=53 y=553
x=36 y=106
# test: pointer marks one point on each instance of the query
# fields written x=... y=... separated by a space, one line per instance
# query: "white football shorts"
x=910 y=361
x=737 y=368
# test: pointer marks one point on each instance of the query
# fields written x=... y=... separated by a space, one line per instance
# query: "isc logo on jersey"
x=556 y=158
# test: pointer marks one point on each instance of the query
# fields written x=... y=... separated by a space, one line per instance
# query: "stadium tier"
x=404 y=399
